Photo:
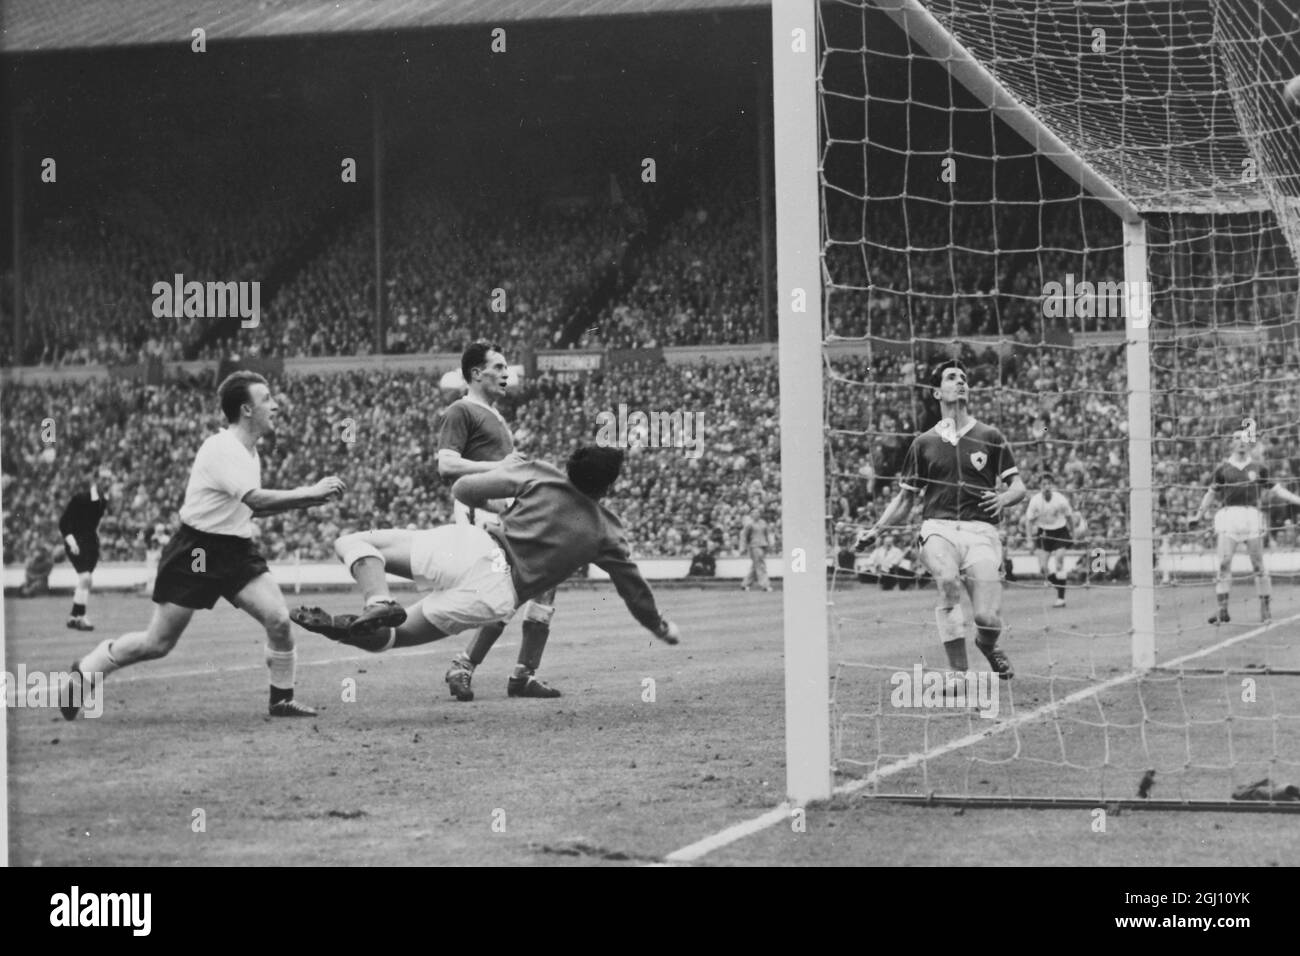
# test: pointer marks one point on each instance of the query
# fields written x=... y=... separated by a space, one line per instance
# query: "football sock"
x=482 y=642
x=101 y=659
x=281 y=665
x=369 y=573
x=1263 y=584
x=78 y=609
x=956 y=653
x=952 y=631
x=1059 y=584
x=532 y=645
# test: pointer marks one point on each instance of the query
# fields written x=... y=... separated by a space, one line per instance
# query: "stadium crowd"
x=88 y=277
x=1065 y=412
x=917 y=271
x=444 y=262
x=377 y=430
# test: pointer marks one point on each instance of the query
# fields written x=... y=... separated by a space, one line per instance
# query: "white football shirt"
x=224 y=471
x=1048 y=515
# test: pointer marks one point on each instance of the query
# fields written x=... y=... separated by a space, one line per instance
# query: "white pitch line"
x=739 y=831
x=688 y=854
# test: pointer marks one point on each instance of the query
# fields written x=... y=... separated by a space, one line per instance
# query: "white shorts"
x=1239 y=524
x=470 y=577
x=976 y=542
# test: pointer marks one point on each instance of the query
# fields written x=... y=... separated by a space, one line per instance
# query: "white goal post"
x=799 y=295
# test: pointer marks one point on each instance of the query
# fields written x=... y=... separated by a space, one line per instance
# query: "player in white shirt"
x=213 y=556
x=1048 y=521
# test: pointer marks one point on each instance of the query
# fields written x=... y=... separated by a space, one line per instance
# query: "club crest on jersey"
x=1252 y=475
x=979 y=459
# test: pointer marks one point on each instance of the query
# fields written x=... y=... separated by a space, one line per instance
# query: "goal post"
x=799 y=288
x=1137 y=354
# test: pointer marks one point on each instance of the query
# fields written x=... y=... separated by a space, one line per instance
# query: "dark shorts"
x=86 y=561
x=1054 y=539
x=196 y=568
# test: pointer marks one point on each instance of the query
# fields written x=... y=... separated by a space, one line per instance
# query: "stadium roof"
x=43 y=25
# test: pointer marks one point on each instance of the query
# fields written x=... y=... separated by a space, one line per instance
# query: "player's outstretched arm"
x=1278 y=491
x=477 y=491
x=451 y=464
x=638 y=597
x=268 y=501
x=896 y=511
x=1207 y=501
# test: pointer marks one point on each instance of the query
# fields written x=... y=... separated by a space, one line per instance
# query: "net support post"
x=799 y=301
x=1141 y=498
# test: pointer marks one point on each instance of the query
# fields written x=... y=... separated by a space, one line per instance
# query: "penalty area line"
x=700 y=848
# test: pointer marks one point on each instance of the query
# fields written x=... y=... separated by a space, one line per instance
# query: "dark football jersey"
x=1241 y=487
x=953 y=469
x=81 y=518
x=479 y=433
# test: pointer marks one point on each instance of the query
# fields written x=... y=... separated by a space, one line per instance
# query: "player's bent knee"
x=277 y=627
x=987 y=619
x=541 y=613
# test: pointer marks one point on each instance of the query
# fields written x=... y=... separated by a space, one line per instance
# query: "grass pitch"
x=186 y=768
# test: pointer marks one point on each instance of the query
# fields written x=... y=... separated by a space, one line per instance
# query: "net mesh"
x=946 y=233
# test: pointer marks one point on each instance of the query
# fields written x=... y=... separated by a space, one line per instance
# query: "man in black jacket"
x=79 y=526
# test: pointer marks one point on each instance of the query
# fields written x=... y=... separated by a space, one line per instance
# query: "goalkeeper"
x=555 y=526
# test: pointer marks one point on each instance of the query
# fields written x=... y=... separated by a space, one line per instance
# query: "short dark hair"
x=234 y=391
x=936 y=376
x=475 y=356
x=593 y=469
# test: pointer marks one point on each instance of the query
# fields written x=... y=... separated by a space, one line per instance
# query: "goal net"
x=1094 y=206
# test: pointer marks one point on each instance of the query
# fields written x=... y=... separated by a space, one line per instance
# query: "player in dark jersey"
x=957 y=467
x=474 y=438
x=79 y=525
x=555 y=525
x=1244 y=487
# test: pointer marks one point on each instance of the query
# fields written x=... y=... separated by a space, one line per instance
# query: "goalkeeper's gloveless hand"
x=667 y=631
